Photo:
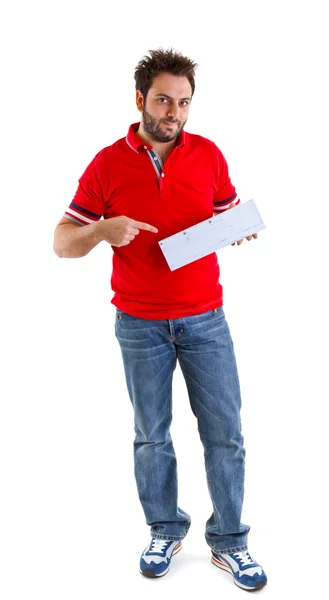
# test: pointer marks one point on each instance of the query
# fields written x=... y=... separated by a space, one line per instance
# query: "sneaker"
x=247 y=574
x=156 y=558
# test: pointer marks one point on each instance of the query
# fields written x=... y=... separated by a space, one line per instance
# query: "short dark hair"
x=163 y=61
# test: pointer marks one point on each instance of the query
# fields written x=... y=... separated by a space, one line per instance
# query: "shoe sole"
x=224 y=567
x=151 y=574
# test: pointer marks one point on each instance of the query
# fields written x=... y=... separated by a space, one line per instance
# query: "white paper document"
x=212 y=234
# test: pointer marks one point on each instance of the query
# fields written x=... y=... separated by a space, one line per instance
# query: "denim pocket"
x=218 y=314
x=218 y=310
x=121 y=315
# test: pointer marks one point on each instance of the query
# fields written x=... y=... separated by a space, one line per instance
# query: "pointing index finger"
x=146 y=226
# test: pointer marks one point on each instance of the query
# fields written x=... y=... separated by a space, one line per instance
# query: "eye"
x=160 y=100
x=184 y=103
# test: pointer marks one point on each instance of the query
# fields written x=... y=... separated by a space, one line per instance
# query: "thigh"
x=149 y=358
x=207 y=359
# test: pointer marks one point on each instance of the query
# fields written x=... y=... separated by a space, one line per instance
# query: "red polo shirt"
x=122 y=179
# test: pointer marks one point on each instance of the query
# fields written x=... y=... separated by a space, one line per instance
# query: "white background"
x=71 y=522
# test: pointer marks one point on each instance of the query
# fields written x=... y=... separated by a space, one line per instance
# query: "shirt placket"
x=156 y=162
x=158 y=167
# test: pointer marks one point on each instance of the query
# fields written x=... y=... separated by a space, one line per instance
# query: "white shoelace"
x=245 y=558
x=157 y=545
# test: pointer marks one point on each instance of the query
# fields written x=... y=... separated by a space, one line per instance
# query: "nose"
x=173 y=111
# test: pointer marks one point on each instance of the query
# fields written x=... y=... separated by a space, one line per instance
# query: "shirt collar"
x=138 y=145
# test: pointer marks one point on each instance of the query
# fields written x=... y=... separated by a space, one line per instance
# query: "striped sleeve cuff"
x=224 y=204
x=81 y=215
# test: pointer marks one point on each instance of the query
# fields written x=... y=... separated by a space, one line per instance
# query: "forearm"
x=73 y=241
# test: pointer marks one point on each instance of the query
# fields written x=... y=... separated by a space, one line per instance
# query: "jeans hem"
x=229 y=550
x=173 y=538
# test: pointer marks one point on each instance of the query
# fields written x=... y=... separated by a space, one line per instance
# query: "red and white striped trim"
x=220 y=564
x=235 y=202
x=79 y=216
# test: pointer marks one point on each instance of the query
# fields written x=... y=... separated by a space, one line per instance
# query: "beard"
x=152 y=127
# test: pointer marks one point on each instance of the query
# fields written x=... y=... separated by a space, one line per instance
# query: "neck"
x=163 y=148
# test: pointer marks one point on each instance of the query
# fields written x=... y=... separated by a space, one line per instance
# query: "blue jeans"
x=203 y=346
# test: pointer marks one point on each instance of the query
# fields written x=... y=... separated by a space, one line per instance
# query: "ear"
x=139 y=100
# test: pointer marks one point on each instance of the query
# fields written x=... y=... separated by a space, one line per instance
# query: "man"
x=151 y=184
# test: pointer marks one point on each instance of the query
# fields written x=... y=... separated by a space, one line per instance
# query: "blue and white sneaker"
x=247 y=574
x=156 y=558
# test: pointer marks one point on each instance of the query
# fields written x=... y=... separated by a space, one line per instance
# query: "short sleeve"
x=88 y=204
x=225 y=193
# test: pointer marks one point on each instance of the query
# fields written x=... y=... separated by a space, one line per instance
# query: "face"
x=167 y=106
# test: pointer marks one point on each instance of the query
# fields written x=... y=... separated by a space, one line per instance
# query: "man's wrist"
x=98 y=231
